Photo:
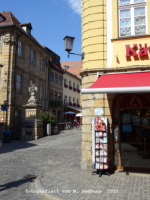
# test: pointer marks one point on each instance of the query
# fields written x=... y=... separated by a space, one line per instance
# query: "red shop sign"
x=142 y=50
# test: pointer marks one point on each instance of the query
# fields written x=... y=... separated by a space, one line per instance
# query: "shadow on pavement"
x=15 y=183
x=15 y=145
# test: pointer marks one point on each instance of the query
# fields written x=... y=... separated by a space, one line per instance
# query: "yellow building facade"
x=115 y=40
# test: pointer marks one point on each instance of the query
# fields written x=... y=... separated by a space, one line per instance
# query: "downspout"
x=15 y=80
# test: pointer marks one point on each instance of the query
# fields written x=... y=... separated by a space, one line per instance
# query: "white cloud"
x=75 y=5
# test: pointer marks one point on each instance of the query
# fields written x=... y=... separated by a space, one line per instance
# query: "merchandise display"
x=100 y=145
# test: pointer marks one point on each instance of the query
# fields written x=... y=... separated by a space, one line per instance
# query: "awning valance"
x=74 y=108
x=120 y=83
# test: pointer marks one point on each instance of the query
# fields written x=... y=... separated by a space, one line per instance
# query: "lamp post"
x=68 y=42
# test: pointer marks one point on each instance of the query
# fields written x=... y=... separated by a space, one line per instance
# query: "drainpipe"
x=15 y=80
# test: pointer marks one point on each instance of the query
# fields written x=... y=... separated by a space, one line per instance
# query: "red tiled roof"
x=74 y=67
x=12 y=20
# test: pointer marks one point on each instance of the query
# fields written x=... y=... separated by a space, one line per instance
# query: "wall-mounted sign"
x=127 y=128
x=99 y=111
x=126 y=118
x=145 y=121
x=143 y=51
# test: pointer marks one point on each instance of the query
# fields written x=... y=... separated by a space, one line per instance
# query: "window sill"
x=129 y=37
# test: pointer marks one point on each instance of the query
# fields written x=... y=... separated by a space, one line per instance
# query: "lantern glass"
x=68 y=41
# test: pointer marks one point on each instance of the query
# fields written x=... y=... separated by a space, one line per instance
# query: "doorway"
x=131 y=131
x=135 y=138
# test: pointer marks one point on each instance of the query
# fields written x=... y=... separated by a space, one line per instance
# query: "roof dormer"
x=27 y=27
x=2 y=18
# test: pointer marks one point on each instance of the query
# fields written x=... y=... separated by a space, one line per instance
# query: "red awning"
x=120 y=83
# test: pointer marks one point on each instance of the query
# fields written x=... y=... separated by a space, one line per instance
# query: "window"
x=59 y=80
x=42 y=64
x=55 y=96
x=65 y=82
x=77 y=101
x=31 y=83
x=59 y=97
x=73 y=85
x=132 y=17
x=41 y=91
x=51 y=95
x=32 y=57
x=69 y=83
x=20 y=48
x=28 y=31
x=77 y=87
x=56 y=78
x=51 y=77
x=18 y=83
x=69 y=99
x=73 y=100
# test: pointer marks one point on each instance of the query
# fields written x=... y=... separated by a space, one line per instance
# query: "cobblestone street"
x=57 y=158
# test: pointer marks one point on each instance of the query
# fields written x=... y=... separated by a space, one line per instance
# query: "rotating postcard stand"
x=100 y=145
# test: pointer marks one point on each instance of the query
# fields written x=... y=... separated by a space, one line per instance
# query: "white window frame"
x=41 y=91
x=18 y=83
x=131 y=6
x=32 y=57
x=42 y=63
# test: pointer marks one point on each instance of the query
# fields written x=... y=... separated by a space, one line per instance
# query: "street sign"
x=5 y=102
x=3 y=108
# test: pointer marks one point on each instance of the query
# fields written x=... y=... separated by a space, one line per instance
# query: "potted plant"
x=74 y=89
x=66 y=86
x=47 y=118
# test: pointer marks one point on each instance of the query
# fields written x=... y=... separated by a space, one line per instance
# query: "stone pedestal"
x=32 y=128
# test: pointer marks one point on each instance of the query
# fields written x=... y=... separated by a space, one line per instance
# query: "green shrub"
x=46 y=117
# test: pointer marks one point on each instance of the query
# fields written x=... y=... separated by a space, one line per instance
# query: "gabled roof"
x=74 y=67
x=10 y=19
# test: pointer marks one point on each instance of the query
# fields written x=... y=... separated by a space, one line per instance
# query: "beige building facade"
x=108 y=40
x=23 y=62
x=71 y=91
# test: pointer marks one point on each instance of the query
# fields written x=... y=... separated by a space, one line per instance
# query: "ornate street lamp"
x=68 y=41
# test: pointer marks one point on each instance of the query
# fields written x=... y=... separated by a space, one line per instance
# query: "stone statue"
x=32 y=127
x=32 y=89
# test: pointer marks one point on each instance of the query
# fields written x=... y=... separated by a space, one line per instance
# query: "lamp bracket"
x=82 y=55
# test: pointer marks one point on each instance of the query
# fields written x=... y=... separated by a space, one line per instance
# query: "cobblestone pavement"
x=19 y=158
x=58 y=158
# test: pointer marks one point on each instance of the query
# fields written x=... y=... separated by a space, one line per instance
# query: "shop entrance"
x=131 y=131
x=135 y=138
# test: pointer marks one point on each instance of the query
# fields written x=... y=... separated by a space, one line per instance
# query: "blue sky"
x=51 y=21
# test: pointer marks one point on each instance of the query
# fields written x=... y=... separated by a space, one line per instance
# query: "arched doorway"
x=131 y=131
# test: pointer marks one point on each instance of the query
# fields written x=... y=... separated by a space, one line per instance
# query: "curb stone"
x=47 y=196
